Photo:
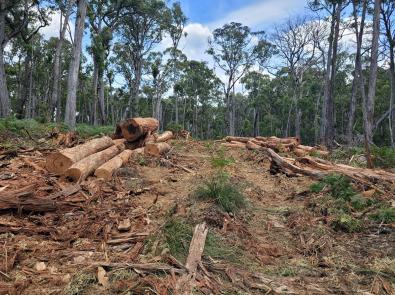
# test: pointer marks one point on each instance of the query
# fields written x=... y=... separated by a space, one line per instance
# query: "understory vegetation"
x=348 y=206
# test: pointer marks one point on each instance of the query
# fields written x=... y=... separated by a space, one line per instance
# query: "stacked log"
x=284 y=145
x=102 y=156
x=59 y=162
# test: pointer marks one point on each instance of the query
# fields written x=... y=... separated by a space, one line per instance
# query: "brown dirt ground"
x=286 y=242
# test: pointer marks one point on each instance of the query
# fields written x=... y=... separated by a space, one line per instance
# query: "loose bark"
x=60 y=161
x=107 y=169
x=157 y=149
x=133 y=129
x=72 y=82
x=82 y=169
x=186 y=283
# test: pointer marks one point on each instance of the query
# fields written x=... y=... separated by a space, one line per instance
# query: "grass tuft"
x=384 y=215
x=220 y=189
x=220 y=161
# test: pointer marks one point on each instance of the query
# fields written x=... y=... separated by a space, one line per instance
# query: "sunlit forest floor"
x=275 y=235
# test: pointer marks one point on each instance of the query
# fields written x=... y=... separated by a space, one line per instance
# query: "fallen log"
x=252 y=145
x=165 y=136
x=107 y=169
x=24 y=199
x=157 y=149
x=187 y=281
x=60 y=161
x=237 y=138
x=82 y=169
x=319 y=168
x=133 y=129
x=234 y=144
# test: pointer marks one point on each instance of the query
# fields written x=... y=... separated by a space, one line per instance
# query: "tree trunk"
x=357 y=71
x=327 y=88
x=95 y=80
x=368 y=108
x=72 y=82
x=101 y=98
x=58 y=64
x=5 y=103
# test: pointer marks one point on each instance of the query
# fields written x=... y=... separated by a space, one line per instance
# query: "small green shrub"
x=347 y=223
x=85 y=130
x=174 y=127
x=339 y=186
x=383 y=157
x=225 y=194
x=317 y=187
x=359 y=203
x=385 y=215
x=220 y=160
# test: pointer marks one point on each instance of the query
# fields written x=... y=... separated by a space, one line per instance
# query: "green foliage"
x=359 y=203
x=317 y=187
x=85 y=130
x=220 y=189
x=385 y=215
x=383 y=157
x=339 y=186
x=220 y=160
x=174 y=127
x=347 y=223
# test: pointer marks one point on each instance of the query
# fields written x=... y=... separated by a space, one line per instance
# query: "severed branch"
x=187 y=281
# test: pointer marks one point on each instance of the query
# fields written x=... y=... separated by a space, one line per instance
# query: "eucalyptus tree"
x=368 y=103
x=388 y=18
x=235 y=49
x=21 y=18
x=359 y=16
x=296 y=43
x=334 y=9
x=104 y=16
x=200 y=88
x=66 y=8
x=72 y=81
x=143 y=26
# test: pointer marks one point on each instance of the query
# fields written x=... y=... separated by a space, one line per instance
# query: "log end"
x=58 y=163
x=74 y=174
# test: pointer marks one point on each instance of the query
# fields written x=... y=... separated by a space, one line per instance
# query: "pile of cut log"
x=287 y=144
x=102 y=156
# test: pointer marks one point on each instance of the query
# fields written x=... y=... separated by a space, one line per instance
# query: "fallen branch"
x=187 y=281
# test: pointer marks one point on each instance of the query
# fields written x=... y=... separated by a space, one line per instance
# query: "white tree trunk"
x=72 y=82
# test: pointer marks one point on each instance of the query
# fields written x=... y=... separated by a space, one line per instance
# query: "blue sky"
x=206 y=15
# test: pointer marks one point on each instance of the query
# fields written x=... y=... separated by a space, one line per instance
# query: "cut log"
x=157 y=149
x=82 y=169
x=300 y=152
x=236 y=138
x=165 y=136
x=107 y=169
x=119 y=141
x=252 y=145
x=138 y=151
x=234 y=144
x=59 y=162
x=186 y=283
x=133 y=129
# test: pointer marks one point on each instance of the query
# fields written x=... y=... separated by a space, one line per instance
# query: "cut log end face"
x=58 y=163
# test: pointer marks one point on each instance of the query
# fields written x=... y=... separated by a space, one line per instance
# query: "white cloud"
x=52 y=30
x=195 y=44
x=262 y=12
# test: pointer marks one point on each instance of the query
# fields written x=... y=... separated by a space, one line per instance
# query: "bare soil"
x=283 y=236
